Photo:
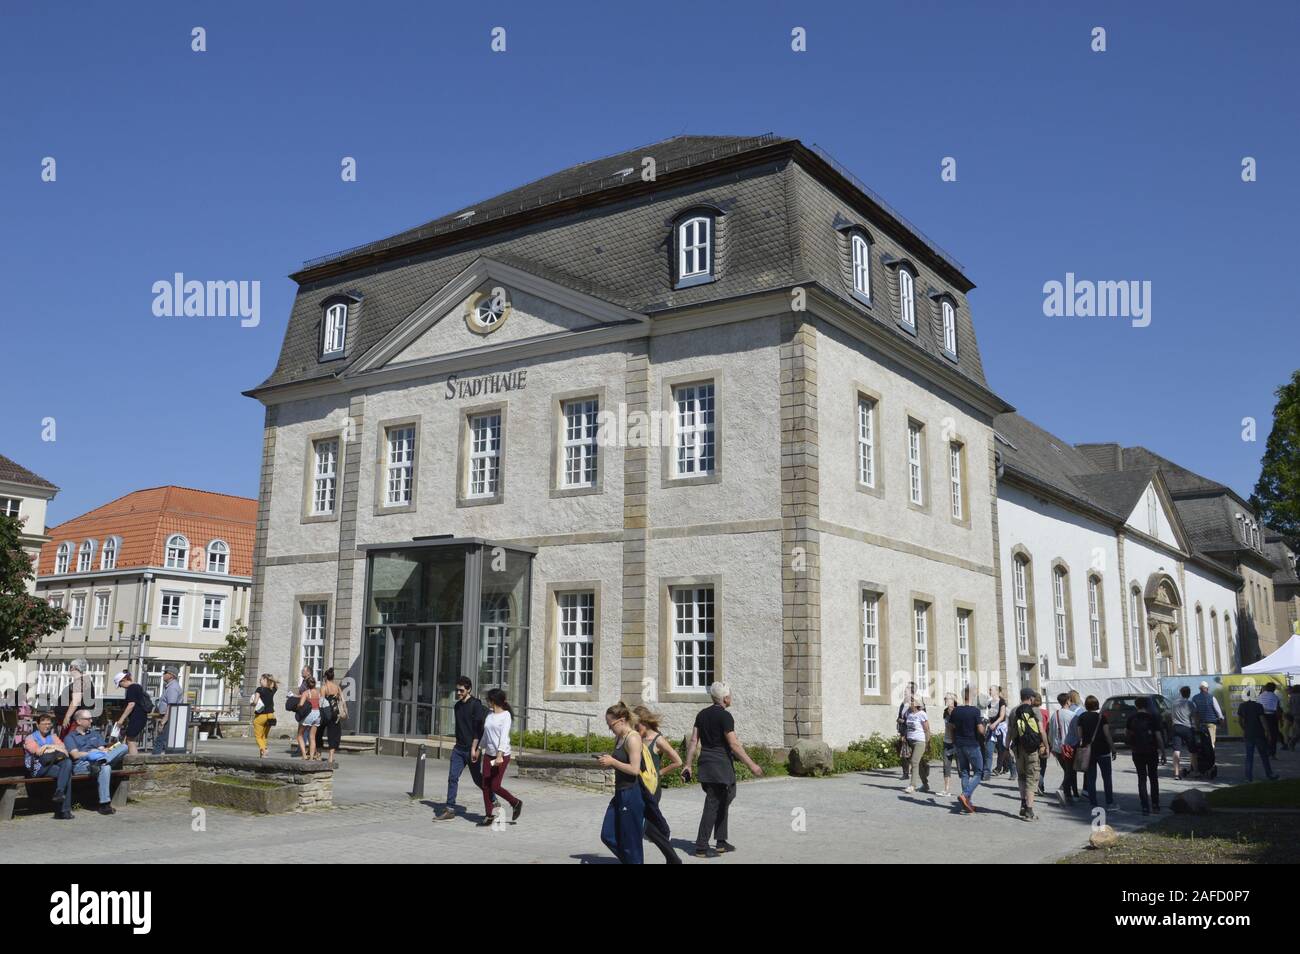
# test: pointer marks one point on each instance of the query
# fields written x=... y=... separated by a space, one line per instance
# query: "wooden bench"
x=13 y=779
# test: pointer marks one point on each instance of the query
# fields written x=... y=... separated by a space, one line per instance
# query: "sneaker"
x=445 y=815
x=486 y=822
x=724 y=847
x=1028 y=815
x=107 y=809
x=518 y=810
x=1024 y=812
x=701 y=852
x=910 y=790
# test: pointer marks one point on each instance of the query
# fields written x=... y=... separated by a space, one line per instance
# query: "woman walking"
x=1095 y=743
x=495 y=746
x=657 y=747
x=949 y=747
x=334 y=709
x=263 y=702
x=310 y=697
x=134 y=715
x=625 y=816
x=918 y=737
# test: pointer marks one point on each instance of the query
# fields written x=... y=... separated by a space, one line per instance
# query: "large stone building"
x=156 y=576
x=24 y=496
x=1286 y=587
x=603 y=438
x=607 y=437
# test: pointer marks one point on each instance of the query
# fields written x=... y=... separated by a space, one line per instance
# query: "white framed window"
x=214 y=612
x=1214 y=635
x=954 y=479
x=313 y=638
x=56 y=601
x=484 y=454
x=61 y=558
x=324 y=476
x=1058 y=608
x=178 y=552
x=577 y=639
x=580 y=448
x=204 y=686
x=694 y=436
x=1200 y=637
x=153 y=681
x=693 y=636
x=963 y=647
x=1135 y=626
x=870 y=644
x=915 y=464
x=170 y=615
x=86 y=556
x=861 y=265
x=101 y=610
x=1094 y=617
x=9 y=506
x=336 y=329
x=921 y=641
x=218 y=557
x=866 y=442
x=1020 y=595
x=78 y=610
x=108 y=555
x=400 y=469
x=906 y=298
x=949 y=327
x=695 y=247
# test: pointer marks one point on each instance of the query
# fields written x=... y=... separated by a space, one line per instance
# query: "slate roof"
x=1119 y=493
x=1275 y=549
x=146 y=518
x=606 y=235
x=15 y=473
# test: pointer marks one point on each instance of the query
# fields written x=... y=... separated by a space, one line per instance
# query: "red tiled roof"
x=145 y=520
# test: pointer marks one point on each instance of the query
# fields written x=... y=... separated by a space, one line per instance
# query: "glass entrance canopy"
x=438 y=608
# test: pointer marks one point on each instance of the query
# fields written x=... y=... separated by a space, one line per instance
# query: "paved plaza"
x=861 y=817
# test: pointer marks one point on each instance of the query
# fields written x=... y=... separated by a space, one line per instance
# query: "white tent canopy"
x=1285 y=660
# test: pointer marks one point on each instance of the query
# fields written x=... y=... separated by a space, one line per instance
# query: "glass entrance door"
x=494 y=657
x=419 y=678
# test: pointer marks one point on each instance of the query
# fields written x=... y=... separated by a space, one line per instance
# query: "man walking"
x=1272 y=714
x=170 y=696
x=1254 y=729
x=1208 y=713
x=1146 y=740
x=714 y=737
x=1058 y=732
x=470 y=714
x=1025 y=739
x=1184 y=716
x=968 y=730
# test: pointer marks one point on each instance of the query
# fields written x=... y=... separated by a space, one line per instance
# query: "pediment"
x=492 y=305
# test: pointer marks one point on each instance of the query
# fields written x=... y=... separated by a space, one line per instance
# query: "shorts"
x=1183 y=733
x=313 y=718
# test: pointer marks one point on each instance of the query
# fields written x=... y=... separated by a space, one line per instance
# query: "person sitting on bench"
x=45 y=756
x=92 y=754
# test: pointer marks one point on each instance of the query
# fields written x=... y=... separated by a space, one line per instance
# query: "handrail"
x=523 y=728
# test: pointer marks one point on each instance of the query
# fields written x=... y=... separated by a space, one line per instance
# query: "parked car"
x=1117 y=710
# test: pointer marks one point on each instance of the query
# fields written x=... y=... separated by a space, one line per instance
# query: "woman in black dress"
x=333 y=710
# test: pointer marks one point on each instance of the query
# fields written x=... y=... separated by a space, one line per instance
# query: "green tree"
x=1277 y=494
x=24 y=619
x=228 y=661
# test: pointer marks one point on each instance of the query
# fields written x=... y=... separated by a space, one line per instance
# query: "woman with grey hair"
x=714 y=737
x=80 y=693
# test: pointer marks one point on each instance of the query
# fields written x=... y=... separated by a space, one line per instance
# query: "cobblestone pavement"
x=864 y=817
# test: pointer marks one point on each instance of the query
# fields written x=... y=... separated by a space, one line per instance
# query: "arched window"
x=861 y=250
x=1227 y=635
x=1135 y=628
x=906 y=297
x=1214 y=635
x=108 y=555
x=218 y=557
x=86 y=556
x=1095 y=630
x=178 y=552
x=949 y=327
x=694 y=249
x=1200 y=638
x=1060 y=611
x=335 y=332
x=62 y=558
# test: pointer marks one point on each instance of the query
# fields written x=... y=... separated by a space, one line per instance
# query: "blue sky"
x=225 y=165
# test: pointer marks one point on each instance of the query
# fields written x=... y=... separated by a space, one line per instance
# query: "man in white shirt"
x=1272 y=712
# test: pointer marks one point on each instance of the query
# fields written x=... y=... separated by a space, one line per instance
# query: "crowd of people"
x=984 y=737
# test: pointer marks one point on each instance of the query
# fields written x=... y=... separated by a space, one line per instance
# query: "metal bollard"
x=417 y=789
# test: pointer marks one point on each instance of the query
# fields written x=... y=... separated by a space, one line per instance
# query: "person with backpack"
x=309 y=711
x=1058 y=740
x=1025 y=739
x=1146 y=740
x=625 y=815
x=135 y=714
x=1094 y=752
x=333 y=710
x=657 y=747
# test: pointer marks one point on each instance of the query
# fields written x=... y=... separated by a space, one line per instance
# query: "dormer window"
x=218 y=557
x=178 y=552
x=62 y=557
x=108 y=555
x=907 y=297
x=861 y=252
x=335 y=330
x=949 y=315
x=85 y=556
x=695 y=250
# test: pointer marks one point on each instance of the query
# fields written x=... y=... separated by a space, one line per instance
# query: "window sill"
x=877 y=491
x=557 y=492
x=861 y=299
x=713 y=478
x=480 y=501
x=910 y=329
x=382 y=510
x=320 y=518
x=694 y=280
